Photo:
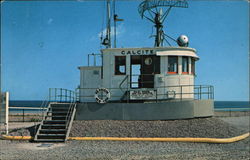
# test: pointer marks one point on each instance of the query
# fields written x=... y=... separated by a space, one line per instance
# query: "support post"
x=4 y=110
x=23 y=115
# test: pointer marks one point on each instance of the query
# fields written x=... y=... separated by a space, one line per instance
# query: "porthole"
x=148 y=61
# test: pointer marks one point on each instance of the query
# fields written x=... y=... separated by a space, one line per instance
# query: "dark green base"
x=145 y=111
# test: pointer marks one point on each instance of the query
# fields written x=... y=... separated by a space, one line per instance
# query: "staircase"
x=57 y=122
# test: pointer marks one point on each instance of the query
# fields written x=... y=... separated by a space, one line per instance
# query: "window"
x=184 y=65
x=120 y=65
x=172 y=65
x=193 y=66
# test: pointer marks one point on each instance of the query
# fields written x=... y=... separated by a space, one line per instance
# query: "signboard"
x=138 y=52
x=142 y=95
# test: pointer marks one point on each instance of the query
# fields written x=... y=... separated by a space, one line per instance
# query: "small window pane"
x=193 y=66
x=184 y=64
x=172 y=64
x=120 y=65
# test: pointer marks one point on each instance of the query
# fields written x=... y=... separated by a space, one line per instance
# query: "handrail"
x=43 y=119
x=69 y=113
x=120 y=86
x=94 y=55
x=198 y=91
x=64 y=95
x=61 y=95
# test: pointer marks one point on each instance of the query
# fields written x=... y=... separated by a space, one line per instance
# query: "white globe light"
x=182 y=41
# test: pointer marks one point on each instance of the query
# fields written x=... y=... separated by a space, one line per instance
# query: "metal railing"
x=70 y=117
x=62 y=95
x=141 y=80
x=23 y=114
x=58 y=95
x=95 y=60
x=197 y=92
x=120 y=85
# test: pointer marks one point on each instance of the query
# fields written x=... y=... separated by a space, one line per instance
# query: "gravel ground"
x=205 y=127
x=200 y=127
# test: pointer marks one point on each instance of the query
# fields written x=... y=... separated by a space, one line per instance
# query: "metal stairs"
x=56 y=123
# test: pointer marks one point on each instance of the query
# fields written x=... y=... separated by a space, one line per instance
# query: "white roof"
x=177 y=53
x=159 y=51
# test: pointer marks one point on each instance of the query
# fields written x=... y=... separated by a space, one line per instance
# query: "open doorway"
x=143 y=69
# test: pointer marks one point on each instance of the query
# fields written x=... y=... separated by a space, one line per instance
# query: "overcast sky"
x=44 y=42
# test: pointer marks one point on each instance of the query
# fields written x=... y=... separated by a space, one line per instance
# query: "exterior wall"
x=145 y=111
x=90 y=78
x=175 y=80
x=110 y=80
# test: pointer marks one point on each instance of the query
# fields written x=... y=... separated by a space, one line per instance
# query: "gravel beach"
x=200 y=127
x=207 y=127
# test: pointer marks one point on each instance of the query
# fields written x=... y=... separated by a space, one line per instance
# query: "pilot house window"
x=120 y=65
x=172 y=65
x=193 y=66
x=184 y=65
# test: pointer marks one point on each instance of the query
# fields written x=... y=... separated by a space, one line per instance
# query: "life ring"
x=104 y=98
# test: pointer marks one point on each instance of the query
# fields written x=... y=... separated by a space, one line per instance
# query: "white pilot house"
x=162 y=73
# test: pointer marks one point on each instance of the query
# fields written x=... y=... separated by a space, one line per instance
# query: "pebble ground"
x=12 y=150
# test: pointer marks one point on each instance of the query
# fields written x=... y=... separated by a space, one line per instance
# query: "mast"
x=115 y=17
x=107 y=39
x=108 y=24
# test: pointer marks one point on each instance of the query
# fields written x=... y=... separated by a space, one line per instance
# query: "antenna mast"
x=157 y=15
x=107 y=39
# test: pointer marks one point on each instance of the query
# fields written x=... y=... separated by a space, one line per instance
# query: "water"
x=231 y=106
x=25 y=103
x=218 y=105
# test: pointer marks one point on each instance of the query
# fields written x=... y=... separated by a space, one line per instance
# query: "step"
x=52 y=131
x=63 y=109
x=60 y=105
x=53 y=126
x=57 y=116
x=54 y=121
x=51 y=136
x=58 y=112
x=50 y=140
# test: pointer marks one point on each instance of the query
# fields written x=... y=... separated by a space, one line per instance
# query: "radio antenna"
x=156 y=12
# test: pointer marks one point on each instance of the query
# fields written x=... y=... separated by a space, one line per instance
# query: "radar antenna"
x=156 y=11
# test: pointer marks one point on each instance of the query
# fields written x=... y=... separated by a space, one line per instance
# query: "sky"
x=43 y=43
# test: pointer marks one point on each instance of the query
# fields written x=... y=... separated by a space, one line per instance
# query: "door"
x=148 y=66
